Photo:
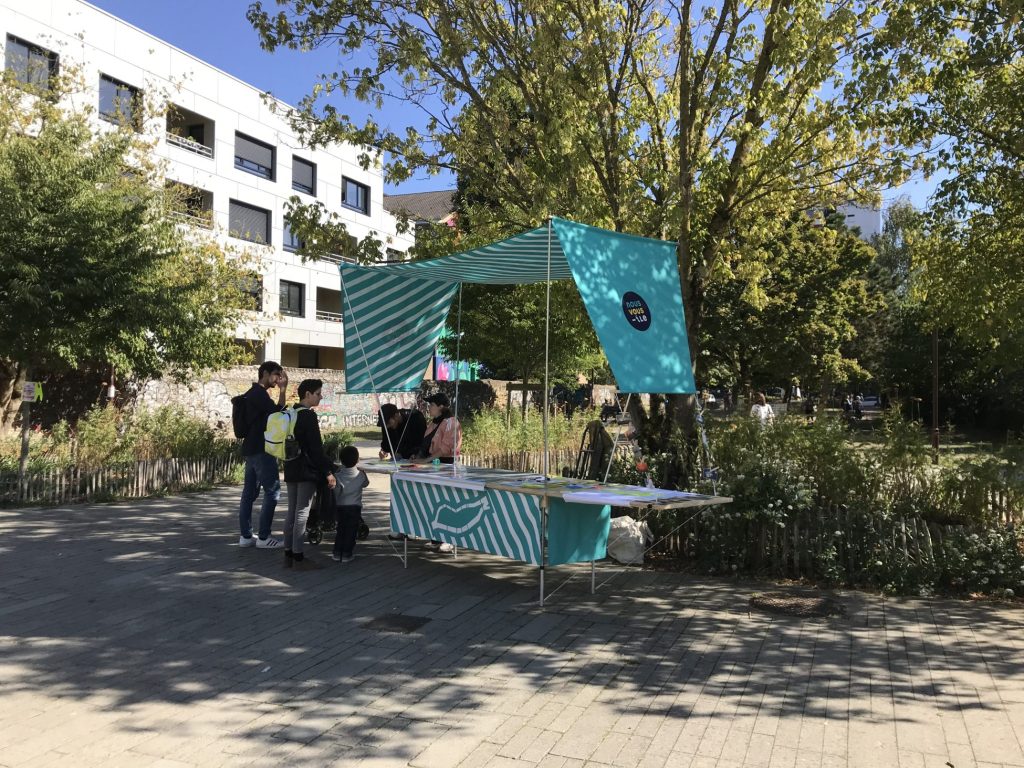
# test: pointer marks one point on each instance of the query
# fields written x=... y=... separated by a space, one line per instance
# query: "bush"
x=335 y=440
x=809 y=503
x=495 y=431
x=106 y=436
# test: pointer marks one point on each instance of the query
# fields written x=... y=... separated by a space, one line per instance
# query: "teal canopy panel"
x=394 y=313
x=392 y=323
x=630 y=286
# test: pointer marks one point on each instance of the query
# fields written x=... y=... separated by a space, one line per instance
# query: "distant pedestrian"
x=260 y=467
x=762 y=411
x=304 y=473
x=348 y=498
x=810 y=408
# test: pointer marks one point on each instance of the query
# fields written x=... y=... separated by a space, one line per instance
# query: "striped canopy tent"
x=395 y=313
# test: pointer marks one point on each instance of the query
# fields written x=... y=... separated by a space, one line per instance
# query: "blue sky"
x=217 y=32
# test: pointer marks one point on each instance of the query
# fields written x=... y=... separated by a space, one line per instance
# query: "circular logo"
x=636 y=311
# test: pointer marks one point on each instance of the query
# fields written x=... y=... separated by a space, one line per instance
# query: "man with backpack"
x=249 y=414
x=306 y=466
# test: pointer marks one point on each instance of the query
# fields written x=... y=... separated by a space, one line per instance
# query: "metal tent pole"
x=547 y=387
x=458 y=373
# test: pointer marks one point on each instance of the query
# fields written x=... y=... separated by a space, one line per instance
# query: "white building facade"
x=239 y=160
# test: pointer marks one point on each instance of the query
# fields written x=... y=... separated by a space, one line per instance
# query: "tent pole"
x=618 y=434
x=547 y=352
x=458 y=367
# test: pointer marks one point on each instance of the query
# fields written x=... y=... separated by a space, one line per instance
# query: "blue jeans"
x=260 y=472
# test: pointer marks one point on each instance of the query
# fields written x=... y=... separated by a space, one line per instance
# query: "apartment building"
x=236 y=156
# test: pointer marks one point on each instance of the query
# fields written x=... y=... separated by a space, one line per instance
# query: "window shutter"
x=249 y=223
x=254 y=152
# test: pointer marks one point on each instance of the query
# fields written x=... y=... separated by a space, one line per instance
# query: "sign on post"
x=32 y=392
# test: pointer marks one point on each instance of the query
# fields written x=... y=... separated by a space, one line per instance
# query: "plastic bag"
x=628 y=539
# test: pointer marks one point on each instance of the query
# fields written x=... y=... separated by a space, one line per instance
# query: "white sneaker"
x=268 y=543
x=446 y=548
x=247 y=542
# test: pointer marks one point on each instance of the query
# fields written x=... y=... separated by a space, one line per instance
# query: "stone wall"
x=210 y=399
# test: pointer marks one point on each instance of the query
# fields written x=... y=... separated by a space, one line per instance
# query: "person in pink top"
x=443 y=440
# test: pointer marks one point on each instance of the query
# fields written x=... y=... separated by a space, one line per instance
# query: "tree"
x=708 y=123
x=798 y=320
x=973 y=256
x=503 y=328
x=94 y=273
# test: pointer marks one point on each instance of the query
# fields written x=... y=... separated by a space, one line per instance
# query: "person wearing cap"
x=401 y=431
x=443 y=438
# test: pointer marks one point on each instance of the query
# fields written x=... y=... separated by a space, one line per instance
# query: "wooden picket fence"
x=523 y=461
x=133 y=480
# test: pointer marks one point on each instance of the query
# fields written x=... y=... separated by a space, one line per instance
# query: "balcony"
x=328 y=305
x=190 y=205
x=201 y=219
x=190 y=132
x=189 y=145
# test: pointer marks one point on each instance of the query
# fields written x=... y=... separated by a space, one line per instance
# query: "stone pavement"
x=139 y=634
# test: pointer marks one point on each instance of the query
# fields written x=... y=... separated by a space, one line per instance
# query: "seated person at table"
x=443 y=439
x=401 y=431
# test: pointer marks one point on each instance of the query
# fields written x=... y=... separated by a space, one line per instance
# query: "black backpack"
x=239 y=420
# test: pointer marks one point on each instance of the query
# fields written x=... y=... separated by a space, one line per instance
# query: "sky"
x=217 y=32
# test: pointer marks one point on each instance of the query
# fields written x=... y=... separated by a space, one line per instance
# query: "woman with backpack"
x=309 y=468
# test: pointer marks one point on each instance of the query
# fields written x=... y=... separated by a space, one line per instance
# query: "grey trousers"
x=300 y=501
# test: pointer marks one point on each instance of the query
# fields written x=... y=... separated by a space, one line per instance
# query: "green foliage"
x=796 y=317
x=504 y=330
x=335 y=440
x=808 y=502
x=106 y=436
x=94 y=271
x=494 y=431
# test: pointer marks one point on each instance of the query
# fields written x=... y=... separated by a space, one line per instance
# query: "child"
x=348 y=498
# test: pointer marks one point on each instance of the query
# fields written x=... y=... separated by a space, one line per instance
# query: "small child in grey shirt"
x=348 y=500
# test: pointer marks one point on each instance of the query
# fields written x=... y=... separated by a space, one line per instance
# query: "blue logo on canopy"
x=636 y=310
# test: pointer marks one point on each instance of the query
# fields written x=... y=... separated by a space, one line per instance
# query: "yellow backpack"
x=279 y=438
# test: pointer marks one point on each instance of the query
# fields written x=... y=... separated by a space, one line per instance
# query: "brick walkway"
x=141 y=635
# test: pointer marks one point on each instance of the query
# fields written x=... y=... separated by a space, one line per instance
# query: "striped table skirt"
x=499 y=522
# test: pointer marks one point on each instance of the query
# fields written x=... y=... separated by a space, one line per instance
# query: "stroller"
x=323 y=517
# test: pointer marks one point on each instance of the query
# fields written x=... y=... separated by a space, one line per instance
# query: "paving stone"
x=156 y=640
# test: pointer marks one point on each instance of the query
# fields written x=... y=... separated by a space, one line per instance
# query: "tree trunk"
x=12 y=377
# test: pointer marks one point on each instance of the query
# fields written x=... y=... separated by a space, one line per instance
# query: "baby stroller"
x=323 y=517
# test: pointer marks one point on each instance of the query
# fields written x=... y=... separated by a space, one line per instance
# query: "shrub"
x=495 y=431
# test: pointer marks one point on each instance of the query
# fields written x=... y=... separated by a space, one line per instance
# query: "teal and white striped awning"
x=394 y=313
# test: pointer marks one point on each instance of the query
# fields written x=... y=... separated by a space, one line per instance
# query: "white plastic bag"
x=628 y=539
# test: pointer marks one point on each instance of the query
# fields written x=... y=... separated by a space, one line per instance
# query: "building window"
x=251 y=285
x=293 y=299
x=247 y=222
x=392 y=255
x=120 y=102
x=31 y=65
x=355 y=195
x=292 y=242
x=303 y=176
x=254 y=156
x=309 y=357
